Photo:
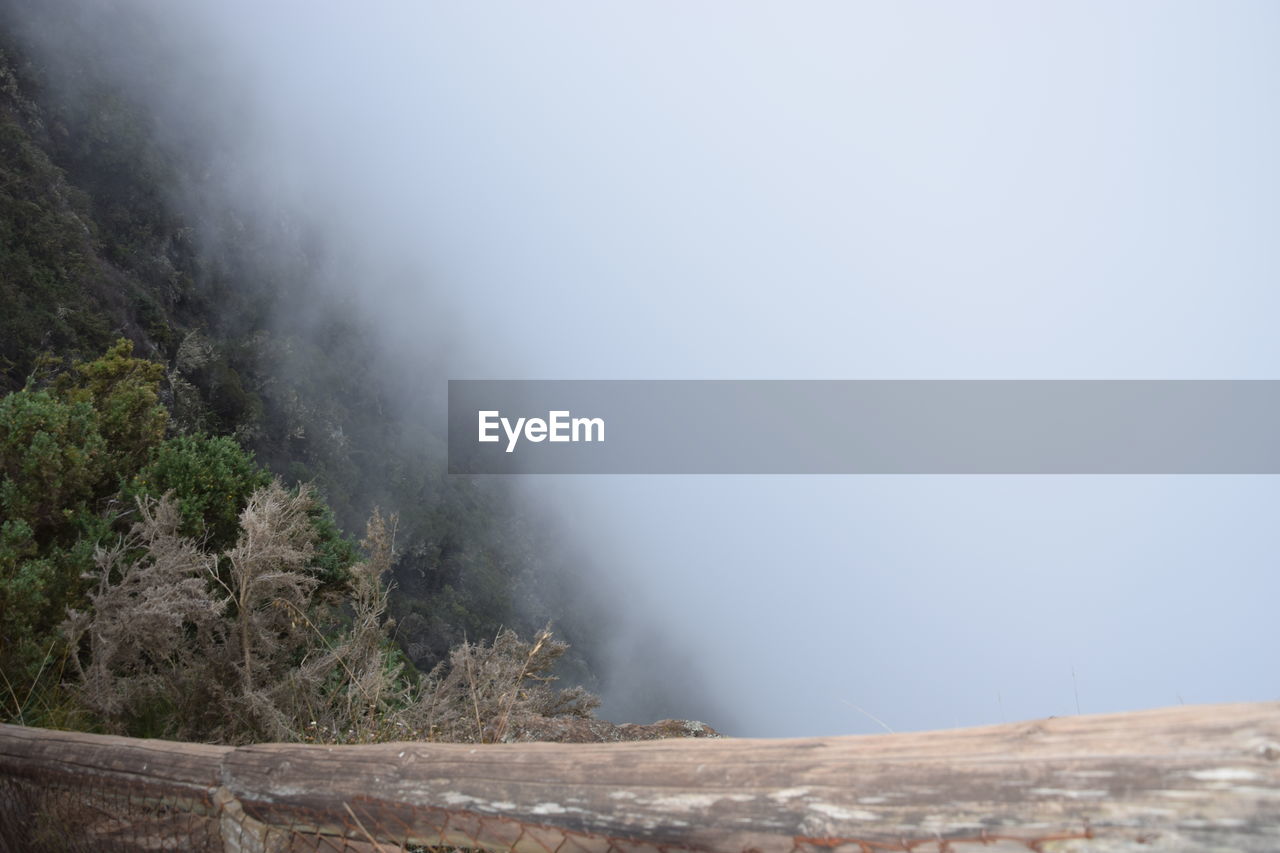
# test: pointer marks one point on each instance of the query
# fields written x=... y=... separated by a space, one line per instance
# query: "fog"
x=820 y=190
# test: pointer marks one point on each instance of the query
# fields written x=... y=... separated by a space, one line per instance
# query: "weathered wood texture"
x=1187 y=778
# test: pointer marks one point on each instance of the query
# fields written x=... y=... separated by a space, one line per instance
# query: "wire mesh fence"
x=1176 y=779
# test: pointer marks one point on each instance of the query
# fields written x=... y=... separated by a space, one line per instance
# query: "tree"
x=64 y=450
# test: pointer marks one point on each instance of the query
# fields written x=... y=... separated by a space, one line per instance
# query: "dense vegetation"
x=172 y=587
x=181 y=453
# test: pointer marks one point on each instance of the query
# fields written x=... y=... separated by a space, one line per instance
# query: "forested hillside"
x=177 y=398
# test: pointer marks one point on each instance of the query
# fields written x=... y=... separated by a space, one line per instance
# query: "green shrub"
x=53 y=459
x=125 y=393
x=210 y=477
x=63 y=452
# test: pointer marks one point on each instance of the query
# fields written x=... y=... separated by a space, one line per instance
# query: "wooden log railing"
x=1186 y=778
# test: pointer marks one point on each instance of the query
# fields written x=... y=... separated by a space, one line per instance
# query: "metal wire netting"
x=57 y=816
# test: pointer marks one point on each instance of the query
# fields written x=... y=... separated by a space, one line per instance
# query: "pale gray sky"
x=827 y=190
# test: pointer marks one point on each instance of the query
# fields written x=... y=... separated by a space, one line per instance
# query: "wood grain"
x=1186 y=778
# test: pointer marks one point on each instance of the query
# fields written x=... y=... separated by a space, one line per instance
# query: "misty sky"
x=822 y=190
